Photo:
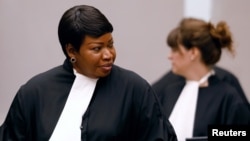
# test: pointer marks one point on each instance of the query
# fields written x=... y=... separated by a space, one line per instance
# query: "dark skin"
x=95 y=57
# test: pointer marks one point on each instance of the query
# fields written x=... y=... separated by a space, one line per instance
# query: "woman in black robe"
x=224 y=75
x=115 y=104
x=196 y=47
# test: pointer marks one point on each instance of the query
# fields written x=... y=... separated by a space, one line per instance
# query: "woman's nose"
x=107 y=54
x=169 y=56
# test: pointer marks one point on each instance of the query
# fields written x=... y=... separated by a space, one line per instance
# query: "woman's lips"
x=107 y=67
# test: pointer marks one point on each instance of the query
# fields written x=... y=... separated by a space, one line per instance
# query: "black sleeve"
x=153 y=124
x=14 y=126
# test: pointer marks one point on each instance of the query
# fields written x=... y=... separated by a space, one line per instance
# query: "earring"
x=72 y=59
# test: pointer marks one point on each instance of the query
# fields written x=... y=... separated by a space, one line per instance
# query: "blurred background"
x=29 y=42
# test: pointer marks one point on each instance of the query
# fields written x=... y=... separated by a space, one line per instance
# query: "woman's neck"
x=196 y=73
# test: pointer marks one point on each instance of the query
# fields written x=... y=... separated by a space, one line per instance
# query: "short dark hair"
x=79 y=21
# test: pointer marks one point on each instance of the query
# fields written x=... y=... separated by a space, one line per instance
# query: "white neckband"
x=183 y=113
x=69 y=123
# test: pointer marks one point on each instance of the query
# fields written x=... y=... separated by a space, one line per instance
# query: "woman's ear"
x=195 y=53
x=70 y=50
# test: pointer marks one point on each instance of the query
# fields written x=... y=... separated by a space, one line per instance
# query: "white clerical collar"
x=83 y=80
x=69 y=123
x=183 y=113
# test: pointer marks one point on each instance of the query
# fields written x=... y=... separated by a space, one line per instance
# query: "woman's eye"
x=111 y=45
x=96 y=48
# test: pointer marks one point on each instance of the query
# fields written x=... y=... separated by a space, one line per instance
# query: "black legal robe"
x=170 y=78
x=123 y=108
x=219 y=103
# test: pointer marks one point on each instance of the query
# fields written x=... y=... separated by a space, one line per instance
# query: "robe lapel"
x=172 y=93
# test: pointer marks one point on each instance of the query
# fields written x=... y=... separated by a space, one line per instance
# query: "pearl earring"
x=72 y=59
